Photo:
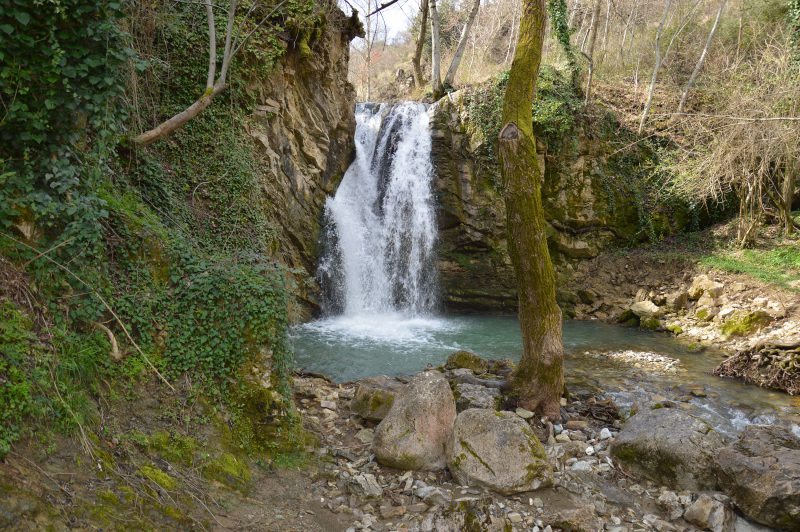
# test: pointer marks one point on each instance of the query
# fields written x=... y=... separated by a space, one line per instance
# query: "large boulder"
x=761 y=474
x=669 y=446
x=418 y=427
x=646 y=309
x=497 y=450
x=374 y=397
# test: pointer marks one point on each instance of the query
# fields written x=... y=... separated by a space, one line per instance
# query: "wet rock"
x=417 y=429
x=374 y=397
x=476 y=396
x=497 y=450
x=669 y=446
x=646 y=309
x=710 y=514
x=703 y=285
x=467 y=360
x=761 y=473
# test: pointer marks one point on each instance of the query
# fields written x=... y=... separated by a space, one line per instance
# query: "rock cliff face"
x=588 y=195
x=303 y=123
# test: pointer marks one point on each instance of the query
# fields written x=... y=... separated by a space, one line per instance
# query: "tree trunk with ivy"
x=538 y=381
x=436 y=54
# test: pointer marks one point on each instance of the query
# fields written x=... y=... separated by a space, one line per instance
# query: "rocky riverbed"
x=445 y=450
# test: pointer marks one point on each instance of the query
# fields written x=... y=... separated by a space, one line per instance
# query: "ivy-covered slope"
x=170 y=272
x=599 y=187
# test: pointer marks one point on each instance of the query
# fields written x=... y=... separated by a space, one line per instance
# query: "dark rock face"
x=587 y=196
x=761 y=474
x=303 y=125
x=670 y=446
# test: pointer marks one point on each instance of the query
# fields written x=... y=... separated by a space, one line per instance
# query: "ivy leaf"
x=7 y=28
x=22 y=17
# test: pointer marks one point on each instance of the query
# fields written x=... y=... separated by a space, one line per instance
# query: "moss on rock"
x=467 y=360
x=743 y=323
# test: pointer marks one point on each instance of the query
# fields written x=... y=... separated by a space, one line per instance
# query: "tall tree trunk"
x=625 y=35
x=605 y=29
x=450 y=77
x=656 y=68
x=590 y=50
x=703 y=54
x=436 y=53
x=538 y=381
x=423 y=28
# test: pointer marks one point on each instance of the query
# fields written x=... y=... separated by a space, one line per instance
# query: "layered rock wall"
x=303 y=124
x=589 y=194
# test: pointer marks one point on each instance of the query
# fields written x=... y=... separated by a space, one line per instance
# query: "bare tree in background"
x=450 y=78
x=436 y=52
x=656 y=67
x=423 y=28
x=699 y=66
x=590 y=50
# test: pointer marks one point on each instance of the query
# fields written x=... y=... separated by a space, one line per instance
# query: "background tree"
x=436 y=53
x=538 y=381
x=415 y=61
x=450 y=78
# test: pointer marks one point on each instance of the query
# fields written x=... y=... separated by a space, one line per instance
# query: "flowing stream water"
x=378 y=278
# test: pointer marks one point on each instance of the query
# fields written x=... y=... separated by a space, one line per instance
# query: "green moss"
x=229 y=470
x=651 y=324
x=675 y=329
x=743 y=323
x=702 y=313
x=159 y=477
x=467 y=360
x=173 y=447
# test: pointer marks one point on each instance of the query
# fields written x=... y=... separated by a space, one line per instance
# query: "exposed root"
x=771 y=364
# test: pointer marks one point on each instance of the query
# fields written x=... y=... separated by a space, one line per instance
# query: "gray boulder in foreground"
x=671 y=447
x=761 y=474
x=497 y=450
x=418 y=427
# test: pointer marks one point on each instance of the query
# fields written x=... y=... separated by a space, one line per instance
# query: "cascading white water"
x=380 y=227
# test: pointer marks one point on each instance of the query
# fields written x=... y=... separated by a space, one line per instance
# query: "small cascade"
x=380 y=227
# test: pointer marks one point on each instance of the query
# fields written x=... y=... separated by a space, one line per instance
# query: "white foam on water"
x=395 y=329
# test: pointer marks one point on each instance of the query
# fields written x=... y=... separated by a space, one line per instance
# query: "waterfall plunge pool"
x=347 y=348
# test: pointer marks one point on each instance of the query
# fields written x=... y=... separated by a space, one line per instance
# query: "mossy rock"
x=628 y=318
x=159 y=477
x=651 y=324
x=173 y=447
x=228 y=470
x=675 y=329
x=374 y=397
x=744 y=323
x=467 y=360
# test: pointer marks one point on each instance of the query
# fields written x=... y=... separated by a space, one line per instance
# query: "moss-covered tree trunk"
x=539 y=380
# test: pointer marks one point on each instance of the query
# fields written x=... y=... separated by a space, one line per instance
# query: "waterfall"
x=380 y=227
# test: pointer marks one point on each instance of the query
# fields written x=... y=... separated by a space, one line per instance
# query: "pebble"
x=330 y=405
x=605 y=434
x=514 y=517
